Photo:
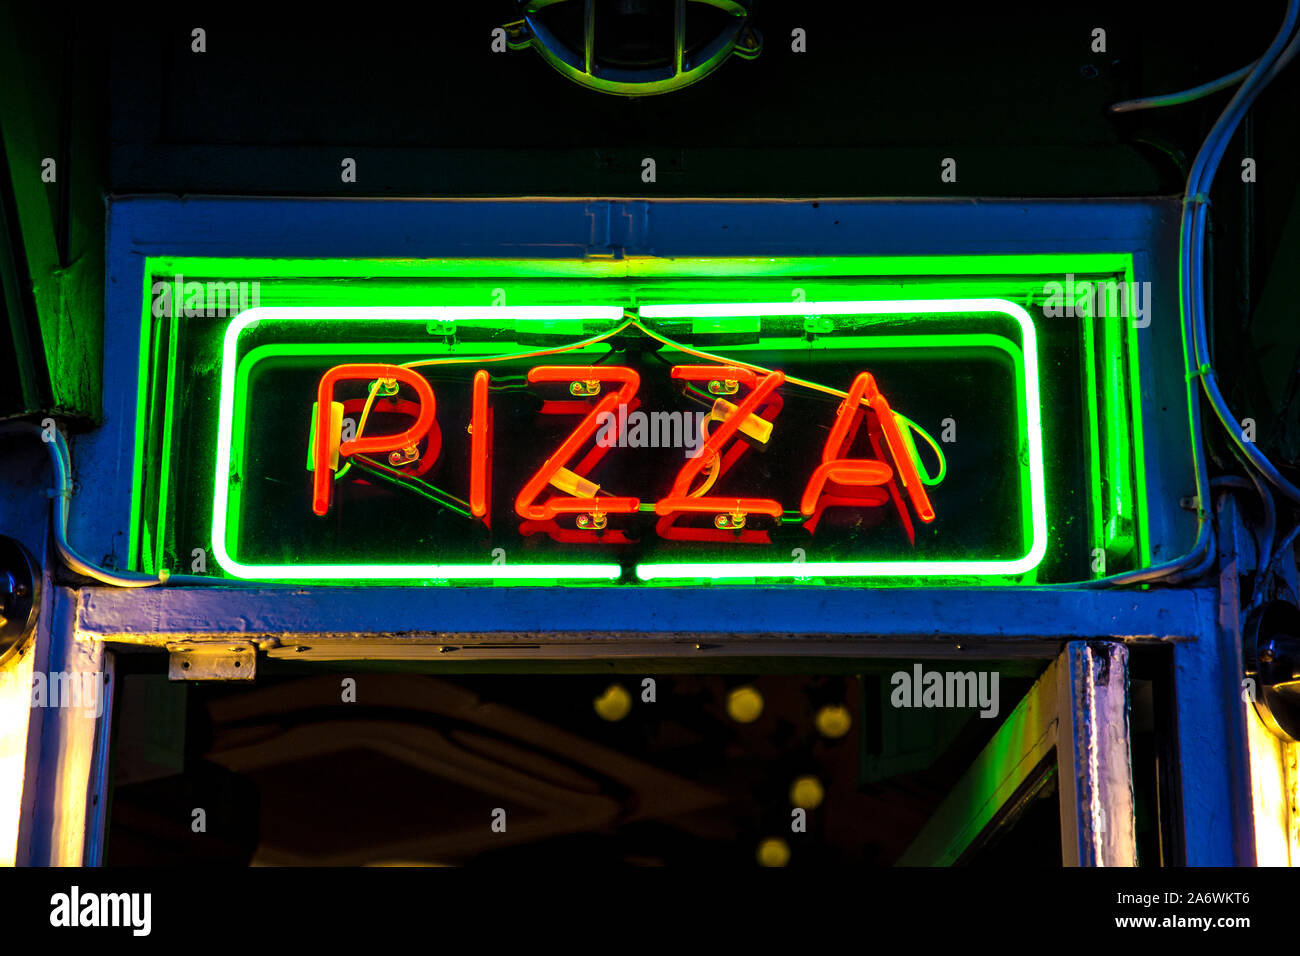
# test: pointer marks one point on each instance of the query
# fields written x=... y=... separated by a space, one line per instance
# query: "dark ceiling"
x=416 y=96
x=876 y=101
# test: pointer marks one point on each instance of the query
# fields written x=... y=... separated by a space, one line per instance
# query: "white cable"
x=63 y=492
x=1184 y=96
x=1192 y=239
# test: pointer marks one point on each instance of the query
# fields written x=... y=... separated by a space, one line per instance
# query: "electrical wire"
x=427 y=490
x=1282 y=549
x=1192 y=239
x=62 y=491
x=1269 y=534
x=1184 y=575
x=1205 y=89
x=926 y=477
x=712 y=470
x=62 y=462
x=1263 y=540
x=460 y=360
x=1184 y=96
x=496 y=386
x=1191 y=296
x=479 y=359
x=1191 y=307
x=815 y=386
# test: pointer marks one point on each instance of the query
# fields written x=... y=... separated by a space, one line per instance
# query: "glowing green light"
x=1032 y=425
x=385 y=289
x=410 y=572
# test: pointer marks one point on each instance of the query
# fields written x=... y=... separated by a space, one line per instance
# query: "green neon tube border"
x=324 y=572
x=855 y=569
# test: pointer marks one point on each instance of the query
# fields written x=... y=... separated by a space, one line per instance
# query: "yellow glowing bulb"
x=807 y=792
x=833 y=721
x=744 y=704
x=773 y=852
x=614 y=704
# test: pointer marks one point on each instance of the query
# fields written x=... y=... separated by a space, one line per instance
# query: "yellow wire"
x=365 y=411
x=370 y=399
x=711 y=467
x=925 y=476
x=734 y=361
x=727 y=360
x=815 y=386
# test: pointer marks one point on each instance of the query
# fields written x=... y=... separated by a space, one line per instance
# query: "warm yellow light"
x=404 y=863
x=807 y=793
x=614 y=704
x=1273 y=783
x=833 y=721
x=15 y=710
x=744 y=704
x=773 y=852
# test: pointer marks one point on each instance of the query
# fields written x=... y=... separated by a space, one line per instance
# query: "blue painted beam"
x=1213 y=752
x=1041 y=618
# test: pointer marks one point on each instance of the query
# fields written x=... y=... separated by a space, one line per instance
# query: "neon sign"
x=429 y=460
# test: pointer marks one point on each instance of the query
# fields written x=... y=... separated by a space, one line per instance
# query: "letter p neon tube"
x=323 y=477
